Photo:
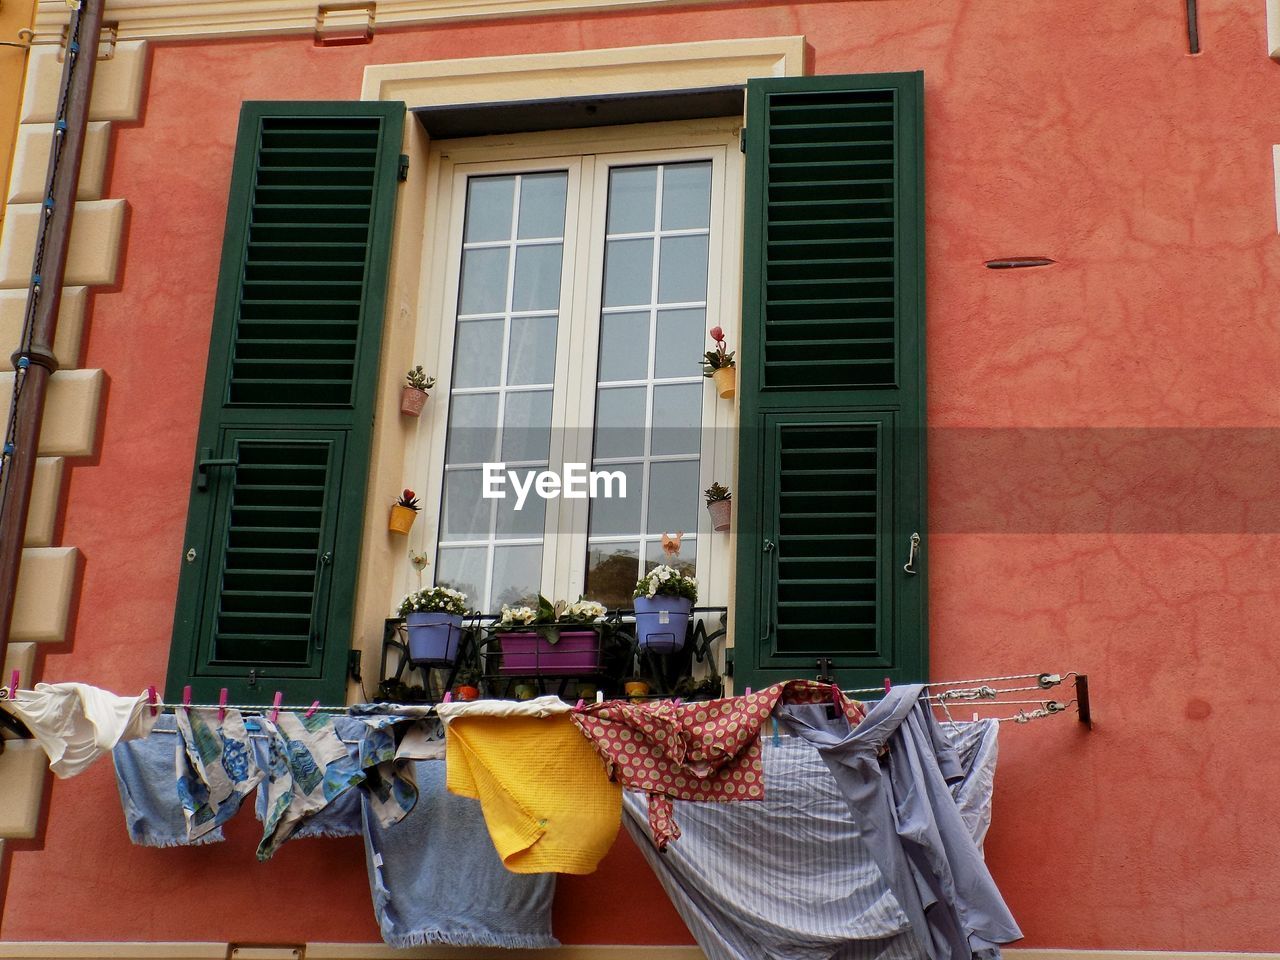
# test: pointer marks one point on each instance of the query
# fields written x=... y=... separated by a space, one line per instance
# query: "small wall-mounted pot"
x=720 y=511
x=401 y=519
x=412 y=400
x=726 y=381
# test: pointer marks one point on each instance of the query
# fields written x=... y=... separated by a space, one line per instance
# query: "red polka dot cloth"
x=694 y=751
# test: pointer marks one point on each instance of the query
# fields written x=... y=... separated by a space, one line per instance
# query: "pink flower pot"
x=575 y=654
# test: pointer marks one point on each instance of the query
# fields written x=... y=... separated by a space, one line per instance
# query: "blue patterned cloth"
x=148 y=794
x=214 y=768
x=436 y=878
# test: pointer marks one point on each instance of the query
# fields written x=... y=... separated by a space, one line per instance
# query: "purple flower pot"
x=576 y=653
x=662 y=622
x=434 y=637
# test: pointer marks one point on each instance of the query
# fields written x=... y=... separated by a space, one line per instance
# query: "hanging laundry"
x=436 y=878
x=148 y=796
x=389 y=781
x=548 y=803
x=976 y=746
x=904 y=804
x=789 y=876
x=307 y=768
x=695 y=751
x=215 y=768
x=75 y=723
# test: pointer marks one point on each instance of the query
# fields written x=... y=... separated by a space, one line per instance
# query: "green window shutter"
x=274 y=524
x=831 y=458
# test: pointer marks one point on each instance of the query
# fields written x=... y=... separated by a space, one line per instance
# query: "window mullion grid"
x=651 y=368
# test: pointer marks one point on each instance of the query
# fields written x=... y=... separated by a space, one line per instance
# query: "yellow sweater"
x=547 y=801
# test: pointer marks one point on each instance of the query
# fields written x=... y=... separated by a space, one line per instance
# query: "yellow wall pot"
x=726 y=380
x=401 y=519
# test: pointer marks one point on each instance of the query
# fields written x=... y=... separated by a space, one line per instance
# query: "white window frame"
x=587 y=155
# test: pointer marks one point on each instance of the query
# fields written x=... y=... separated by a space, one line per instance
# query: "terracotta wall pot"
x=726 y=380
x=401 y=519
x=720 y=511
x=411 y=401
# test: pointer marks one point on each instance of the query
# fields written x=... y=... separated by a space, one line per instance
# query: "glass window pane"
x=473 y=428
x=526 y=426
x=612 y=572
x=542 y=202
x=477 y=353
x=466 y=513
x=685 y=561
x=537 y=278
x=484 y=281
x=686 y=196
x=681 y=334
x=632 y=191
x=489 y=209
x=462 y=568
x=620 y=422
x=628 y=272
x=624 y=347
x=673 y=497
x=614 y=516
x=682 y=269
x=532 y=357
x=517 y=575
x=677 y=419
x=528 y=522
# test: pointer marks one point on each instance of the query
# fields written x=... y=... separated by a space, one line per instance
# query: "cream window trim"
x=672 y=66
x=590 y=156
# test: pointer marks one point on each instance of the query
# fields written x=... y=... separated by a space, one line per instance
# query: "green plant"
x=468 y=676
x=434 y=600
x=719 y=357
x=418 y=379
x=553 y=615
x=717 y=492
x=409 y=500
x=668 y=582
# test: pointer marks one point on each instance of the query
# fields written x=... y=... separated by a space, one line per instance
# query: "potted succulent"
x=718 y=364
x=542 y=640
x=719 y=505
x=403 y=512
x=414 y=394
x=466 y=684
x=664 y=598
x=434 y=618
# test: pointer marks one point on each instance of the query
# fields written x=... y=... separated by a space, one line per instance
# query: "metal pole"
x=34 y=362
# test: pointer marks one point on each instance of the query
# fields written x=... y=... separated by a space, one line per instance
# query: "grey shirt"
x=905 y=807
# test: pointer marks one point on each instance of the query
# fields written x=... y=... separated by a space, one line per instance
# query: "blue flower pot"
x=661 y=623
x=434 y=637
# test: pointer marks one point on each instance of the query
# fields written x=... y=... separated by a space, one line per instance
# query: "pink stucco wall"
x=1077 y=131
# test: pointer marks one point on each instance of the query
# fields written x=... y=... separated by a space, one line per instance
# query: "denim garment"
x=436 y=878
x=911 y=820
x=787 y=876
x=148 y=793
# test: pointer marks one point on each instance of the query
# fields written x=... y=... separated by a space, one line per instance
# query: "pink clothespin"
x=315 y=705
x=746 y=692
x=888 y=684
x=151 y=699
x=13 y=684
x=579 y=705
x=275 y=707
x=186 y=696
x=677 y=703
x=448 y=696
x=222 y=705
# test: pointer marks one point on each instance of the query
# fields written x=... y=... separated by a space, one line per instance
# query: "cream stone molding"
x=1273 y=29
x=670 y=66
x=142 y=19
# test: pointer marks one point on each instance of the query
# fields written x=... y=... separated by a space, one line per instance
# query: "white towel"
x=76 y=723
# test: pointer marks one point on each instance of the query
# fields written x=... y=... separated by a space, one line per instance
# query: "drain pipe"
x=33 y=361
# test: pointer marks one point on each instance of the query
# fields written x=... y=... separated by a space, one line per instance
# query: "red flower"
x=717 y=334
x=408 y=494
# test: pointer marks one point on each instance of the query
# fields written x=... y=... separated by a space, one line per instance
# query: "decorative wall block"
x=70 y=425
x=46 y=581
x=42 y=512
x=23 y=771
x=93 y=256
x=117 y=83
x=20 y=657
x=31 y=162
x=67 y=338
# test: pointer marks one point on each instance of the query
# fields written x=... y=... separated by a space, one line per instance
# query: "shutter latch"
x=203 y=465
x=909 y=566
x=402 y=171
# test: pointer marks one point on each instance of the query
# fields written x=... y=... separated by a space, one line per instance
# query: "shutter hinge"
x=742 y=139
x=402 y=173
